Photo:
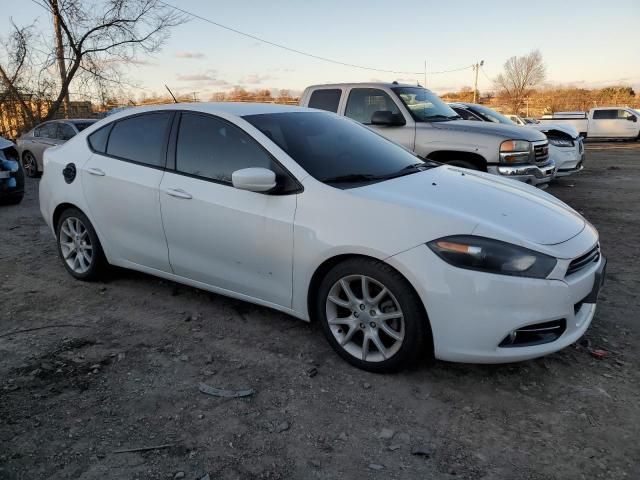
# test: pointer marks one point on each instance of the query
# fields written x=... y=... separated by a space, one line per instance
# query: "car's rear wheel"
x=78 y=246
x=371 y=316
x=30 y=164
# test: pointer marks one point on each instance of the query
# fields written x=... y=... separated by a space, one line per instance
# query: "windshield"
x=424 y=105
x=336 y=150
x=489 y=115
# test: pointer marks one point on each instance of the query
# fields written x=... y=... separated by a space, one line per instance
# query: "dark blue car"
x=11 y=174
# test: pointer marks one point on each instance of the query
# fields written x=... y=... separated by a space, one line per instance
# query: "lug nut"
x=362 y=306
x=356 y=314
x=373 y=324
x=362 y=326
x=372 y=313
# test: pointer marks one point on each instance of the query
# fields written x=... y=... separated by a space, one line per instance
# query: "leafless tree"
x=520 y=76
x=92 y=41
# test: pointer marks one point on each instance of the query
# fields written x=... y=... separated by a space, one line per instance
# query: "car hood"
x=499 y=208
x=546 y=127
x=506 y=131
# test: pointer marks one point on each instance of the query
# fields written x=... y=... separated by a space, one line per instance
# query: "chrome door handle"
x=96 y=171
x=178 y=193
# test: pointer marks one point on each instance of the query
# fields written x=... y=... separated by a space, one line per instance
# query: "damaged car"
x=566 y=146
x=11 y=174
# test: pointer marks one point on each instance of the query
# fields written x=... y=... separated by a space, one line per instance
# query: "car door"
x=65 y=132
x=121 y=183
x=362 y=103
x=43 y=138
x=627 y=124
x=604 y=123
x=232 y=239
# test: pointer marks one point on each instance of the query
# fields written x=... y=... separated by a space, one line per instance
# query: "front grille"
x=585 y=260
x=541 y=153
x=536 y=334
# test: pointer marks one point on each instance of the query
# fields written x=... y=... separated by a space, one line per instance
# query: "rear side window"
x=212 y=148
x=65 y=131
x=605 y=114
x=364 y=102
x=48 y=130
x=98 y=139
x=326 y=99
x=141 y=139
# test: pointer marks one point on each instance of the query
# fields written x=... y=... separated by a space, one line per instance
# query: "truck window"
x=364 y=102
x=605 y=114
x=326 y=99
x=623 y=114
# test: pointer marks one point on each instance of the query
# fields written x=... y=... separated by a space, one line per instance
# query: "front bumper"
x=472 y=312
x=528 y=173
x=568 y=160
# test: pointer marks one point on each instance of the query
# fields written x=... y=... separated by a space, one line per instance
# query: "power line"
x=300 y=52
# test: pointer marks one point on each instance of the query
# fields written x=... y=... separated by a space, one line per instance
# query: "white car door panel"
x=229 y=238
x=121 y=186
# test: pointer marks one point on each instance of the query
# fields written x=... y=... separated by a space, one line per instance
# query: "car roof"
x=239 y=109
x=361 y=85
x=80 y=120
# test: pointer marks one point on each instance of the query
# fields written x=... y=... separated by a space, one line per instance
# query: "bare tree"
x=92 y=40
x=520 y=76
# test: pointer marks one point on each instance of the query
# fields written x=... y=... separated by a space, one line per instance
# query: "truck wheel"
x=463 y=164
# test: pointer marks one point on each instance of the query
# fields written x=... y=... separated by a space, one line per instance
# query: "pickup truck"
x=601 y=122
x=416 y=118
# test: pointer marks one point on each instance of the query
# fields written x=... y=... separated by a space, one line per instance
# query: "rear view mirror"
x=385 y=117
x=254 y=179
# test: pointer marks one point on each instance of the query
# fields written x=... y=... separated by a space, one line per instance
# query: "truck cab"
x=601 y=122
x=417 y=119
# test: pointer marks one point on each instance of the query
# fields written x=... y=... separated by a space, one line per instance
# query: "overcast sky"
x=589 y=43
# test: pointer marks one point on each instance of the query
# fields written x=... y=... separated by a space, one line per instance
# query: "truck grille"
x=585 y=260
x=541 y=152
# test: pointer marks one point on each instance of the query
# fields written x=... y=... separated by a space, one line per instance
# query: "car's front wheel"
x=78 y=246
x=372 y=317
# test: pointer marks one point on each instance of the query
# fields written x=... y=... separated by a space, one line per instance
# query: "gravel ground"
x=124 y=373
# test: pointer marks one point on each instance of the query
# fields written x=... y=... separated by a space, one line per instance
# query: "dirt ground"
x=125 y=373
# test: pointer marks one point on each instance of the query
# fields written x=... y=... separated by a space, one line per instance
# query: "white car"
x=566 y=146
x=317 y=216
x=600 y=122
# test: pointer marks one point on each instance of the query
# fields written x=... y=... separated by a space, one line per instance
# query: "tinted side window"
x=327 y=99
x=47 y=130
x=141 y=138
x=604 y=114
x=465 y=114
x=65 y=131
x=98 y=139
x=363 y=102
x=212 y=148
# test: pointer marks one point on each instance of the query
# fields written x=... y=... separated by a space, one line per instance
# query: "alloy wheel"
x=29 y=164
x=75 y=244
x=365 y=318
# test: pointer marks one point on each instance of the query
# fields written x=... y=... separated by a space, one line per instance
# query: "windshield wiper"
x=431 y=118
x=354 y=178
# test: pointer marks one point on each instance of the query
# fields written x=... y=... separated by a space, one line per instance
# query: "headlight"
x=492 y=256
x=561 y=142
x=515 y=151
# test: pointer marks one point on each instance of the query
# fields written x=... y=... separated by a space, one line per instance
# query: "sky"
x=587 y=43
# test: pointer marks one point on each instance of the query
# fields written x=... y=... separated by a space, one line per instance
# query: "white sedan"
x=319 y=217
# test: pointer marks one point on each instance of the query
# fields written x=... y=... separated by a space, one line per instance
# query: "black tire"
x=98 y=264
x=463 y=164
x=28 y=158
x=417 y=341
x=13 y=199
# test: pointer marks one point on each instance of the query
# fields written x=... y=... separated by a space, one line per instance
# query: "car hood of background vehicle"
x=547 y=127
x=507 y=131
x=507 y=207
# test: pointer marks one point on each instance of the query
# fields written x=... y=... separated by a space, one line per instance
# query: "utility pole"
x=476 y=67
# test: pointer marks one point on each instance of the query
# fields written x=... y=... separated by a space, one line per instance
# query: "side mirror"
x=632 y=118
x=385 y=117
x=254 y=179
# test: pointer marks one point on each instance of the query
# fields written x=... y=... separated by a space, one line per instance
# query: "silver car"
x=32 y=144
